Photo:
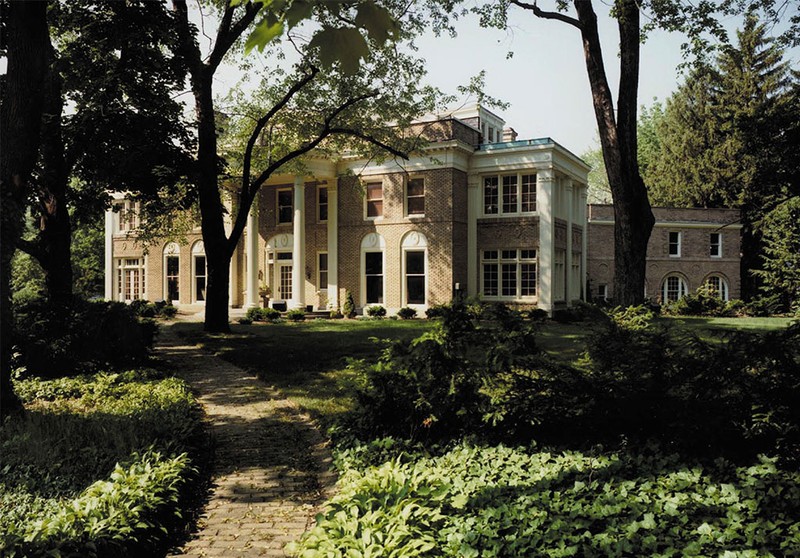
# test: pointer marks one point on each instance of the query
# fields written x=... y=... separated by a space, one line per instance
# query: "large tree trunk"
x=28 y=41
x=633 y=216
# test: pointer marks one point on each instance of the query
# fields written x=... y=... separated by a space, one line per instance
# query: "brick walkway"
x=272 y=466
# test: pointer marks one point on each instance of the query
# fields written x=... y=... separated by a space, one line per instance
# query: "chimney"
x=509 y=134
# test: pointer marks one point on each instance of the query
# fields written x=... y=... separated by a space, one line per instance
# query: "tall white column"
x=109 y=256
x=568 y=286
x=299 y=246
x=473 y=206
x=251 y=296
x=584 y=195
x=545 y=182
x=333 y=243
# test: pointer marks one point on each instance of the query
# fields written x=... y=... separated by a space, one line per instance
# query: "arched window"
x=673 y=288
x=373 y=247
x=172 y=273
x=717 y=285
x=199 y=272
x=415 y=269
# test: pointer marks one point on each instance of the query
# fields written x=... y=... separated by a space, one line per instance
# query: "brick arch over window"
x=414 y=266
x=674 y=286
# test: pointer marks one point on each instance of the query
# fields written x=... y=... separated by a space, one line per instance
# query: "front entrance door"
x=284 y=281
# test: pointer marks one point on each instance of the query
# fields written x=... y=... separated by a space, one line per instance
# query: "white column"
x=473 y=207
x=545 y=181
x=299 y=246
x=251 y=296
x=109 y=256
x=568 y=286
x=584 y=194
x=333 y=243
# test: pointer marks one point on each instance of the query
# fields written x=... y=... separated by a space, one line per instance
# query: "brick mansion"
x=477 y=212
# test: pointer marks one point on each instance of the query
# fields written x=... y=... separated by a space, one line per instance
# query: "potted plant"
x=265 y=292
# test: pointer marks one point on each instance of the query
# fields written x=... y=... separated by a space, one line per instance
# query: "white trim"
x=670 y=244
x=677 y=224
x=424 y=197
x=367 y=184
x=414 y=241
x=718 y=244
x=372 y=242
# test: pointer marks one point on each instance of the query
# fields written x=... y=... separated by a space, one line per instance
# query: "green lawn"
x=308 y=361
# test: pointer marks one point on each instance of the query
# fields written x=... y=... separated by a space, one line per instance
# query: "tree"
x=26 y=42
x=780 y=272
x=729 y=138
x=327 y=95
x=112 y=63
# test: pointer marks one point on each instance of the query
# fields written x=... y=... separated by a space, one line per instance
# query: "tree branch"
x=374 y=141
x=33 y=248
x=538 y=12
x=187 y=46
x=227 y=34
x=251 y=142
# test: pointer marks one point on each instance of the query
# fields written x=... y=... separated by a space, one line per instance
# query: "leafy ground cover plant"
x=99 y=465
x=501 y=501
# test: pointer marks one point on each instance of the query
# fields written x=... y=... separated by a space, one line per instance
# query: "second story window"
x=517 y=192
x=510 y=199
x=674 y=244
x=129 y=216
x=415 y=197
x=715 y=249
x=490 y=195
x=528 y=194
x=285 y=208
x=374 y=200
x=322 y=203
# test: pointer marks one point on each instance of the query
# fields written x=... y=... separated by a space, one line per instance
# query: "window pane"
x=374 y=263
x=374 y=208
x=285 y=209
x=323 y=271
x=509 y=254
x=490 y=279
x=490 y=196
x=674 y=244
x=374 y=289
x=528 y=192
x=415 y=289
x=490 y=255
x=509 y=279
x=509 y=194
x=323 y=262
x=415 y=263
x=416 y=206
x=416 y=187
x=528 y=279
x=528 y=254
x=323 y=204
x=374 y=191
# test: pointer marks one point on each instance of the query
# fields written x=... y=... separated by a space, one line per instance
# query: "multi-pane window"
x=528 y=197
x=509 y=273
x=173 y=276
x=129 y=215
x=715 y=245
x=674 y=244
x=322 y=203
x=575 y=275
x=285 y=208
x=375 y=199
x=509 y=194
x=373 y=271
x=559 y=275
x=415 y=196
x=510 y=199
x=130 y=279
x=674 y=288
x=323 y=271
x=200 y=276
x=490 y=195
x=415 y=276
x=718 y=286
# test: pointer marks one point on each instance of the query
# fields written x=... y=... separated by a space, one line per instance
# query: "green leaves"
x=344 y=45
x=266 y=30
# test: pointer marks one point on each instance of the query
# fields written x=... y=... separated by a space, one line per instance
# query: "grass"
x=307 y=361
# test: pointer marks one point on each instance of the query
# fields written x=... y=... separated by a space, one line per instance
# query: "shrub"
x=168 y=311
x=376 y=311
x=336 y=314
x=349 y=307
x=262 y=314
x=435 y=311
x=90 y=334
x=296 y=315
x=244 y=320
x=703 y=302
x=407 y=313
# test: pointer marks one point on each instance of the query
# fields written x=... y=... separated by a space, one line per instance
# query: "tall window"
x=528 y=193
x=674 y=288
x=322 y=269
x=322 y=203
x=490 y=195
x=575 y=276
x=285 y=208
x=415 y=276
x=130 y=279
x=559 y=275
x=674 y=244
x=373 y=271
x=715 y=245
x=511 y=193
x=718 y=286
x=199 y=278
x=602 y=292
x=173 y=292
x=374 y=200
x=415 y=196
x=128 y=215
x=509 y=273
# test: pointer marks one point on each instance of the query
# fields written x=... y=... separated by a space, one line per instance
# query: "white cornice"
x=678 y=224
x=446 y=154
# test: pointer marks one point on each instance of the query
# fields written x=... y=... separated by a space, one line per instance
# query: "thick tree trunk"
x=27 y=39
x=633 y=216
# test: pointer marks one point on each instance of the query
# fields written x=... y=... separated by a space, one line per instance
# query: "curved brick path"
x=272 y=466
